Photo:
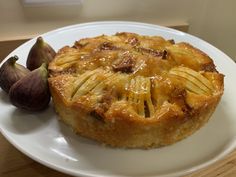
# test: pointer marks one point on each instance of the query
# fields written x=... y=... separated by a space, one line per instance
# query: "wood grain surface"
x=15 y=164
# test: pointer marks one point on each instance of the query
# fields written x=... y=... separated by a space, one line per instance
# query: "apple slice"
x=194 y=81
x=139 y=95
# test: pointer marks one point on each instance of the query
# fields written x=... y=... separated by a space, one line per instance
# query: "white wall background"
x=211 y=20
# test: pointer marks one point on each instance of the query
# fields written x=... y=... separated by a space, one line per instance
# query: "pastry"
x=134 y=91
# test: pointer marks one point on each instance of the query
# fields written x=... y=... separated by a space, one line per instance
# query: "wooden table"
x=15 y=164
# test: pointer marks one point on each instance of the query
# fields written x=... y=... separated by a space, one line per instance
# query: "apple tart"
x=134 y=91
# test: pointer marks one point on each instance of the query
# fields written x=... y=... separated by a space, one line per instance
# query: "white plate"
x=44 y=139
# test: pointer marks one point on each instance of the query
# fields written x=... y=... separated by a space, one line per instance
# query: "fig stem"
x=40 y=41
x=13 y=60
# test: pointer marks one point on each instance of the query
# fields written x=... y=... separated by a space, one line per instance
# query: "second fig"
x=40 y=53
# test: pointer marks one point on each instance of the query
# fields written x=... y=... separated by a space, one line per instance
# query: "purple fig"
x=40 y=53
x=11 y=72
x=31 y=92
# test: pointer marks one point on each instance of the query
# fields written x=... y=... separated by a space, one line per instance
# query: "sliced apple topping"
x=85 y=83
x=108 y=90
x=99 y=88
x=193 y=81
x=139 y=96
x=66 y=59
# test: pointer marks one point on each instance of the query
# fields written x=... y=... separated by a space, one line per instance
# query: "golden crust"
x=134 y=91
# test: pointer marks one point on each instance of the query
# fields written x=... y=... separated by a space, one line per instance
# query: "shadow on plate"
x=23 y=122
x=70 y=136
x=4 y=97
